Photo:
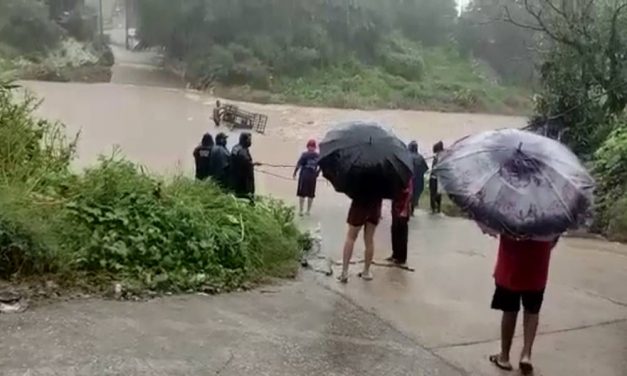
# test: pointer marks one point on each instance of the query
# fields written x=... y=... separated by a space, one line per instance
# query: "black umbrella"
x=516 y=182
x=364 y=160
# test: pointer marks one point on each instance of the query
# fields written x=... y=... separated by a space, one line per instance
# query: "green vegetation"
x=583 y=90
x=32 y=46
x=362 y=53
x=114 y=222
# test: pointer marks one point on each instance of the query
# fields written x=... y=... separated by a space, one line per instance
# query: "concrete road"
x=434 y=321
x=298 y=328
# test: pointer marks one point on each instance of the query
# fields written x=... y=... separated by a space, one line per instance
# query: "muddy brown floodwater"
x=158 y=127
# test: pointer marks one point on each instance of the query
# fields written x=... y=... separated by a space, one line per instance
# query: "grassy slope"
x=450 y=83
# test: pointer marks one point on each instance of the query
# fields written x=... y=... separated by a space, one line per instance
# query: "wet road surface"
x=435 y=320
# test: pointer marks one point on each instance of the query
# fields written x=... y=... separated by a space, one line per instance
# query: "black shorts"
x=507 y=300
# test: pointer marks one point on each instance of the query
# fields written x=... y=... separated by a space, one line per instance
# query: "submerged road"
x=434 y=321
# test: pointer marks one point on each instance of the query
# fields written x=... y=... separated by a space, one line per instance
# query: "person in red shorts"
x=521 y=274
x=366 y=214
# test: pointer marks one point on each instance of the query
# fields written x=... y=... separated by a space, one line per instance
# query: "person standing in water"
x=219 y=162
x=217 y=113
x=308 y=167
x=242 y=168
x=436 y=196
x=420 y=169
x=202 y=156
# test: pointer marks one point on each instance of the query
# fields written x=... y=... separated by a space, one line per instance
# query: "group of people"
x=522 y=266
x=367 y=214
x=232 y=170
x=520 y=274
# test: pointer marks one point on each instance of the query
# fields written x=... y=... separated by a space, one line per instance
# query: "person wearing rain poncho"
x=219 y=162
x=242 y=168
x=434 y=189
x=420 y=168
x=202 y=155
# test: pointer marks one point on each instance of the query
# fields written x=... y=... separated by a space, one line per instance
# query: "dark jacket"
x=219 y=165
x=202 y=155
x=420 y=169
x=242 y=172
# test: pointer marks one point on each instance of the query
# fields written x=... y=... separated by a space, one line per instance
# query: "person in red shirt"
x=521 y=274
x=401 y=211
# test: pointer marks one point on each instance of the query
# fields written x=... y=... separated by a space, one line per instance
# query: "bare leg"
x=309 y=204
x=530 y=327
x=369 y=252
x=301 y=203
x=349 y=245
x=508 y=327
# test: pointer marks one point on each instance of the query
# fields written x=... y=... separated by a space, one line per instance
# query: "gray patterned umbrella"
x=517 y=183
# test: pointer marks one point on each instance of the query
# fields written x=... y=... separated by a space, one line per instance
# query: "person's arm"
x=424 y=166
x=298 y=166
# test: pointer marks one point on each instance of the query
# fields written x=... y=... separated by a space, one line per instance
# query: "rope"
x=280 y=176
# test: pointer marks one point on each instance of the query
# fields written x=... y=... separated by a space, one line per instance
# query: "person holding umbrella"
x=528 y=189
x=308 y=167
x=368 y=164
x=520 y=275
x=420 y=169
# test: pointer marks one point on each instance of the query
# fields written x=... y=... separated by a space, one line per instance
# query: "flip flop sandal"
x=343 y=278
x=494 y=359
x=365 y=277
x=525 y=368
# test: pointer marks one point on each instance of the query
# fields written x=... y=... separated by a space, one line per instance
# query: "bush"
x=28 y=28
x=297 y=60
x=617 y=222
x=610 y=169
x=177 y=235
x=233 y=65
x=401 y=57
x=410 y=67
x=116 y=220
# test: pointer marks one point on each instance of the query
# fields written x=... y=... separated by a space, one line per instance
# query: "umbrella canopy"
x=364 y=160
x=516 y=182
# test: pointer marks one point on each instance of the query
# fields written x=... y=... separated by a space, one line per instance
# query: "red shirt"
x=401 y=204
x=523 y=265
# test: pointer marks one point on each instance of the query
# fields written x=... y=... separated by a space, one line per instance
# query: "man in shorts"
x=521 y=274
x=366 y=214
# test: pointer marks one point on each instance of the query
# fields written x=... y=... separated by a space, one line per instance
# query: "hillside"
x=362 y=53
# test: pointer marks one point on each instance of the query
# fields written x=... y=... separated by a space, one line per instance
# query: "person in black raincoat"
x=420 y=168
x=202 y=155
x=220 y=160
x=242 y=168
x=436 y=195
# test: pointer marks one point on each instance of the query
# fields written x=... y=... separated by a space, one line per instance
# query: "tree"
x=510 y=50
x=584 y=74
